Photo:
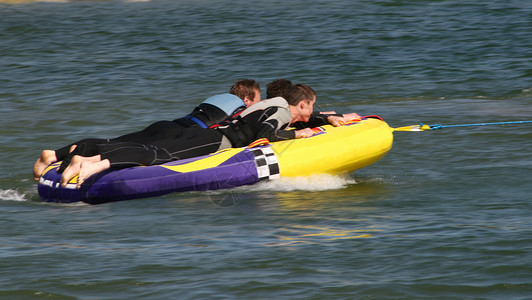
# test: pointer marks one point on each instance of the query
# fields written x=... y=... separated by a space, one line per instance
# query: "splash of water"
x=12 y=195
x=319 y=182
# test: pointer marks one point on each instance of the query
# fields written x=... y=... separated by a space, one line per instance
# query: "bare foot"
x=47 y=157
x=72 y=170
x=75 y=166
x=89 y=168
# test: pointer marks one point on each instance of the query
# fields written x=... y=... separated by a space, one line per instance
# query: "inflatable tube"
x=334 y=150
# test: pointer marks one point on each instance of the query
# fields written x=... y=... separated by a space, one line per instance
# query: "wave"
x=12 y=195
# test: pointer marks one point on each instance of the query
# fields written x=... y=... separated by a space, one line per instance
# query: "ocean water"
x=445 y=215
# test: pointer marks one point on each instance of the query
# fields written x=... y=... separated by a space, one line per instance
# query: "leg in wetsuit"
x=183 y=143
x=157 y=131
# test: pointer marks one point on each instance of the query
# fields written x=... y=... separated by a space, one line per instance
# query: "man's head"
x=301 y=99
x=248 y=90
x=278 y=88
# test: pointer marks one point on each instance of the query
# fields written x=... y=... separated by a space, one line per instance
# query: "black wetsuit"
x=214 y=110
x=267 y=119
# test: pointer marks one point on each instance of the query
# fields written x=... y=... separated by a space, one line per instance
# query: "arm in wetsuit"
x=273 y=123
x=267 y=119
x=316 y=120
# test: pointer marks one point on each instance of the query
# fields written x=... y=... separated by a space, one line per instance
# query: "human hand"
x=338 y=121
x=305 y=132
x=351 y=117
x=335 y=120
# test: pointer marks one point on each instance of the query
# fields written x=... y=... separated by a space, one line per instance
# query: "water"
x=445 y=215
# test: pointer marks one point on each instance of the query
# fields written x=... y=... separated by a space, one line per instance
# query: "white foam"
x=12 y=195
x=321 y=182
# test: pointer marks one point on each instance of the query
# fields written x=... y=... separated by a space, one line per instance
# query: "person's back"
x=267 y=119
x=220 y=108
x=212 y=111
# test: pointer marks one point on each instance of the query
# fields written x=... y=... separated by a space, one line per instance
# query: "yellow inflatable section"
x=337 y=150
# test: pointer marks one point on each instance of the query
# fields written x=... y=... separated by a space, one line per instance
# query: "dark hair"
x=278 y=88
x=300 y=92
x=245 y=88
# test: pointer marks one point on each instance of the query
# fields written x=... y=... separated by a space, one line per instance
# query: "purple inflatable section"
x=142 y=182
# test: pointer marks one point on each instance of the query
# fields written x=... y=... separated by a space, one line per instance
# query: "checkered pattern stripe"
x=267 y=163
